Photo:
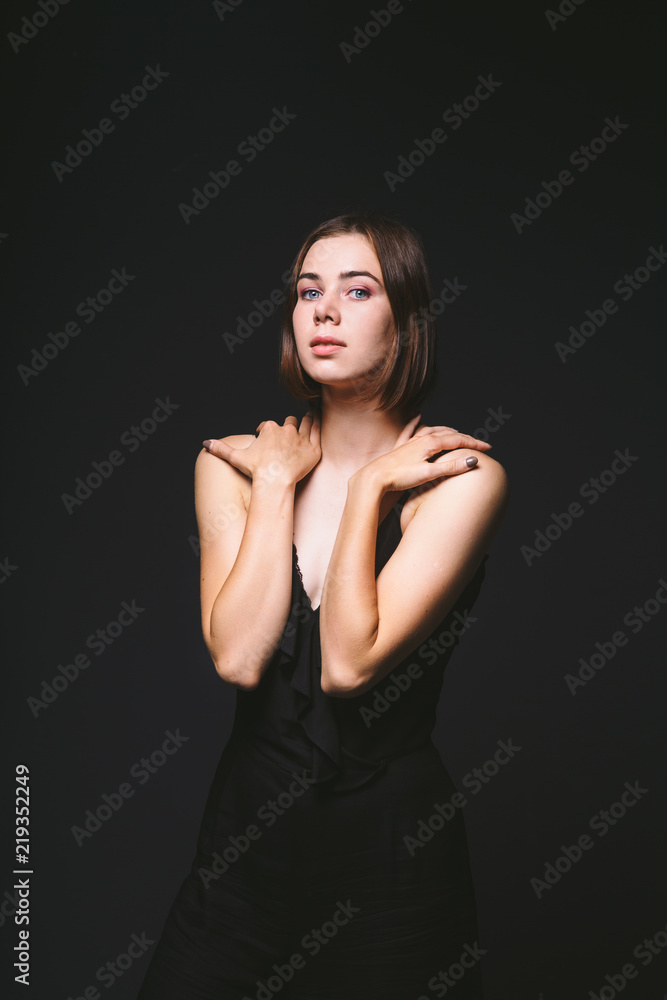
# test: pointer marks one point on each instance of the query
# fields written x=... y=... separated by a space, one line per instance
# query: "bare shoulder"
x=488 y=476
x=486 y=487
x=217 y=478
x=235 y=440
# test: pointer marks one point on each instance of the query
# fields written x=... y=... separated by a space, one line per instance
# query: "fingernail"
x=207 y=444
x=471 y=462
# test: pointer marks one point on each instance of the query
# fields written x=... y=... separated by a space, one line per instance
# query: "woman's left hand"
x=410 y=462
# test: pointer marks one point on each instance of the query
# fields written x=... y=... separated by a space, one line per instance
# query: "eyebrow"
x=343 y=274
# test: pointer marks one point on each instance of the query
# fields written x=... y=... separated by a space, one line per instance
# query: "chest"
x=318 y=509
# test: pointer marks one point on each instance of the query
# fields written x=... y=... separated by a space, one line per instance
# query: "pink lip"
x=325 y=338
x=324 y=344
x=323 y=348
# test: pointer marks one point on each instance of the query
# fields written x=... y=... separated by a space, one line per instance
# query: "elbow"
x=236 y=670
x=342 y=682
x=239 y=676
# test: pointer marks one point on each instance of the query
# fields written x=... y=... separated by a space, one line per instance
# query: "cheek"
x=303 y=312
x=384 y=329
x=299 y=319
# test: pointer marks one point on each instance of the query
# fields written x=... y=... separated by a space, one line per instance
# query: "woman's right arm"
x=246 y=554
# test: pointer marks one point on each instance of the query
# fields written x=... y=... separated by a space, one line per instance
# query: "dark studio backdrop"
x=526 y=146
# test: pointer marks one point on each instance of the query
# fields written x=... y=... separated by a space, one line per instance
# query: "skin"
x=324 y=483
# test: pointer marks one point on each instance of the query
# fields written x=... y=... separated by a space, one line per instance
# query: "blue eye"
x=306 y=294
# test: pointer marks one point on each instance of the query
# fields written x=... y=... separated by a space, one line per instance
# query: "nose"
x=325 y=309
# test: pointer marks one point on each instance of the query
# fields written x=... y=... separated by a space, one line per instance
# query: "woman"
x=332 y=859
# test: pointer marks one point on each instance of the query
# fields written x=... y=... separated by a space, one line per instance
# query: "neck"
x=353 y=433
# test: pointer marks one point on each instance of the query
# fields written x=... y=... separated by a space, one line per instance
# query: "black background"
x=134 y=537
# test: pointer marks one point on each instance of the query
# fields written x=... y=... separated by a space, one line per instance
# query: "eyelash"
x=304 y=294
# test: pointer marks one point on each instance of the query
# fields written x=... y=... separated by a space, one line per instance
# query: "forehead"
x=337 y=253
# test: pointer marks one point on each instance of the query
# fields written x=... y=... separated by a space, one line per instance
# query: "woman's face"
x=343 y=324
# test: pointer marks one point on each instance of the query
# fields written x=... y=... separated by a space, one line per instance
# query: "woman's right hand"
x=412 y=462
x=279 y=453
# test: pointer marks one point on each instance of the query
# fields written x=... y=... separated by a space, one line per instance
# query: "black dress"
x=332 y=859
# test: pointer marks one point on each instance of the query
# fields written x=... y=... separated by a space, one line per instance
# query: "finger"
x=455 y=466
x=461 y=440
x=407 y=431
x=428 y=430
x=291 y=420
x=220 y=449
x=473 y=442
x=316 y=431
x=438 y=428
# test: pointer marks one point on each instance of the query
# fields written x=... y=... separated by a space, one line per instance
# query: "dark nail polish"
x=471 y=462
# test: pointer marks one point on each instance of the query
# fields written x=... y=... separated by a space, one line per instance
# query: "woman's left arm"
x=368 y=625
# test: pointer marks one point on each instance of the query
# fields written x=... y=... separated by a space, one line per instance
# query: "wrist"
x=366 y=482
x=272 y=489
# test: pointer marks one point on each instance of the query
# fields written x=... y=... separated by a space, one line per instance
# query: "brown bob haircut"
x=406 y=375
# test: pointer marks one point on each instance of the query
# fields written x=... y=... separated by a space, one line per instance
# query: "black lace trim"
x=298 y=569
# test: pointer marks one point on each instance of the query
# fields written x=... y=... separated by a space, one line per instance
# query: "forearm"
x=250 y=612
x=349 y=618
x=368 y=627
